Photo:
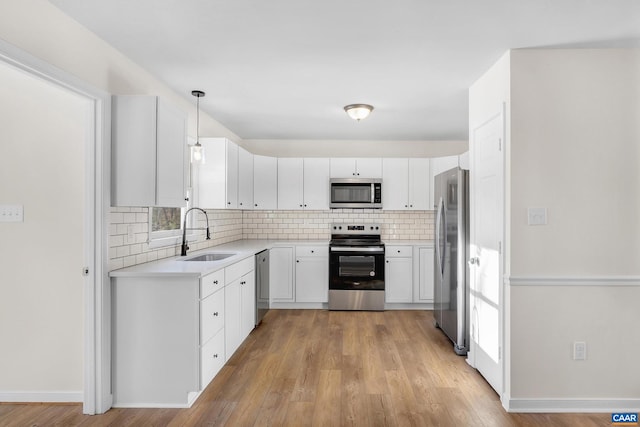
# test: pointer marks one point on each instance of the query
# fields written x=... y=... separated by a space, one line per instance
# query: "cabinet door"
x=232 y=175
x=395 y=184
x=343 y=168
x=369 y=168
x=248 y=304
x=265 y=182
x=290 y=183
x=281 y=274
x=424 y=279
x=419 y=184
x=245 y=179
x=312 y=279
x=316 y=184
x=218 y=176
x=233 y=317
x=171 y=156
x=398 y=280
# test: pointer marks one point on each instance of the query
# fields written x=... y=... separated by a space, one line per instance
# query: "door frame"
x=97 y=397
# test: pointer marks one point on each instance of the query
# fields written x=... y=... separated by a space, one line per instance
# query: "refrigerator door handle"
x=440 y=223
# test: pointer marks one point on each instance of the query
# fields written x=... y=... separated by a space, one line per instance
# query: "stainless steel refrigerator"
x=451 y=292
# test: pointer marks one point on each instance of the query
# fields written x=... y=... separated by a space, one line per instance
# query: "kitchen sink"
x=209 y=257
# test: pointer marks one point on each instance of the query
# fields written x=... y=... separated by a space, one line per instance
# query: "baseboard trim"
x=572 y=405
x=41 y=396
x=573 y=281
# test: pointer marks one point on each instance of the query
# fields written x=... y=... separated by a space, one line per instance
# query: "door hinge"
x=85 y=271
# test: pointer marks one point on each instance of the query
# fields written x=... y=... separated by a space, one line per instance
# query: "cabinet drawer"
x=398 y=251
x=211 y=283
x=211 y=315
x=239 y=269
x=312 y=251
x=211 y=359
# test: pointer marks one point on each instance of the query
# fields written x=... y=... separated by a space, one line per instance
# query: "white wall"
x=42 y=136
x=354 y=148
x=575 y=150
x=41 y=29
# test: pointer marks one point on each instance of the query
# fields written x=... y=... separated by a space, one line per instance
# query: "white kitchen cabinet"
x=290 y=183
x=149 y=146
x=303 y=183
x=239 y=297
x=398 y=274
x=245 y=179
x=281 y=274
x=218 y=176
x=312 y=273
x=423 y=274
x=316 y=184
x=405 y=184
x=212 y=352
x=356 y=168
x=265 y=182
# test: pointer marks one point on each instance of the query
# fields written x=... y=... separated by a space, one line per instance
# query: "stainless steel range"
x=356 y=267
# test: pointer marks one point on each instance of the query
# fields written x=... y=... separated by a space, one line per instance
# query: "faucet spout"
x=185 y=247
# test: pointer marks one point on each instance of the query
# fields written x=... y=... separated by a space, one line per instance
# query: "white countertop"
x=242 y=249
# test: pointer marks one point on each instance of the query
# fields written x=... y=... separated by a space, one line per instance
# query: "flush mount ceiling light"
x=197 y=151
x=358 y=111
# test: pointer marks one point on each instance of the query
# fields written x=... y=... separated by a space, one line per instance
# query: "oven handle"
x=355 y=249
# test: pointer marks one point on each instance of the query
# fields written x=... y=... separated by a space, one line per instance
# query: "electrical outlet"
x=11 y=213
x=579 y=350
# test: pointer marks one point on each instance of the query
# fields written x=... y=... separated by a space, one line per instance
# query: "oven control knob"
x=372 y=228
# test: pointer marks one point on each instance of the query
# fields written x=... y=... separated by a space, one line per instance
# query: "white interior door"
x=487 y=201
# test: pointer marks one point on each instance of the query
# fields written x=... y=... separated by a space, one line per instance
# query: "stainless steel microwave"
x=356 y=193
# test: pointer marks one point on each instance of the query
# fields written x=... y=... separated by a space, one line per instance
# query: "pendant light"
x=358 y=111
x=197 y=151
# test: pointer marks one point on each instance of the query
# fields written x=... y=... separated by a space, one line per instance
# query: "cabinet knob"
x=405 y=206
x=256 y=205
x=387 y=261
x=410 y=206
x=398 y=251
x=358 y=174
x=305 y=206
x=240 y=203
x=215 y=282
x=186 y=199
x=297 y=260
x=312 y=251
x=228 y=203
x=215 y=313
x=215 y=356
x=300 y=205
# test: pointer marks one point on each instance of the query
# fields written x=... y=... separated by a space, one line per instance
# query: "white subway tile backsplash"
x=230 y=225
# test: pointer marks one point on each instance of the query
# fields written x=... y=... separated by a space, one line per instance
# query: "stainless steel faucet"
x=185 y=247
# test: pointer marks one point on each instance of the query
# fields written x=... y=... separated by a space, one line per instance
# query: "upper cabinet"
x=405 y=184
x=303 y=183
x=218 y=176
x=356 y=168
x=149 y=140
x=245 y=179
x=265 y=182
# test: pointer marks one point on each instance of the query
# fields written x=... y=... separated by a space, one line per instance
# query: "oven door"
x=356 y=268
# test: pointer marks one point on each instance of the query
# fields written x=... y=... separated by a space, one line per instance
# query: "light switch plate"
x=537 y=216
x=11 y=213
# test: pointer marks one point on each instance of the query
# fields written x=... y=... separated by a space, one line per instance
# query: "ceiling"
x=284 y=69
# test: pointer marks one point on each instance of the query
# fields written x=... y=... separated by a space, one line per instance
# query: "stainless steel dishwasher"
x=262 y=285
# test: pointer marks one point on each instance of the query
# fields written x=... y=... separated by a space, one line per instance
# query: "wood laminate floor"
x=321 y=368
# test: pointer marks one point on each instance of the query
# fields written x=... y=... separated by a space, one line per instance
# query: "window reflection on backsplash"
x=127 y=249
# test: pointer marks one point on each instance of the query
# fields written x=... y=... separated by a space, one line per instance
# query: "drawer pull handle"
x=215 y=313
x=215 y=356
x=215 y=282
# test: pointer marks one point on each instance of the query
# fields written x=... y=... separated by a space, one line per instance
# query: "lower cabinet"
x=423 y=280
x=312 y=273
x=281 y=274
x=172 y=334
x=398 y=274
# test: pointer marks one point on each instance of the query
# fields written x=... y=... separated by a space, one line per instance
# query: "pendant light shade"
x=197 y=150
x=358 y=111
